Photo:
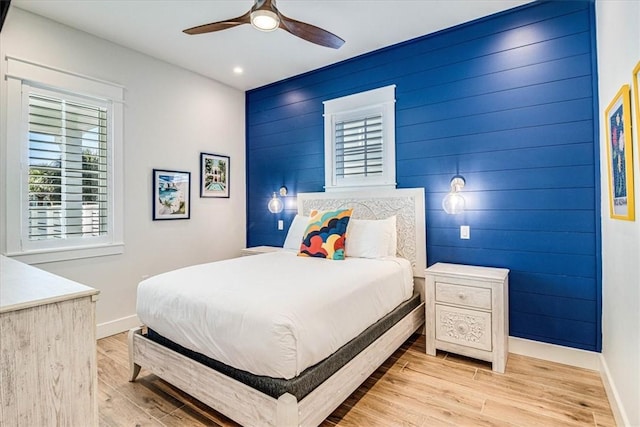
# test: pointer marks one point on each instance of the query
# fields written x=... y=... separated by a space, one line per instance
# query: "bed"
x=311 y=373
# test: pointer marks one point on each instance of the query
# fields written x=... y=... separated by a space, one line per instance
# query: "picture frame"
x=214 y=175
x=171 y=194
x=617 y=119
x=636 y=96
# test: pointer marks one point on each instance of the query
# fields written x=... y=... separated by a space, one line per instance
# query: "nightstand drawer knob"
x=462 y=295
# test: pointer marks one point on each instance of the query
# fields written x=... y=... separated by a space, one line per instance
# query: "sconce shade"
x=453 y=203
x=275 y=204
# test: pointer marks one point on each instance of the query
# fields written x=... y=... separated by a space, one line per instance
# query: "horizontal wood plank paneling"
x=539 y=94
x=528 y=179
x=561 y=331
x=560 y=221
x=526 y=137
x=506 y=101
x=553 y=306
x=553 y=285
x=528 y=241
x=540 y=199
x=561 y=264
x=536 y=115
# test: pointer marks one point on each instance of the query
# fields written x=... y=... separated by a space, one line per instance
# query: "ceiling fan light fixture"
x=265 y=16
x=265 y=20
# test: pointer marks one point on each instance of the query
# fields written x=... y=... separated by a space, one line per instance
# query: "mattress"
x=311 y=377
x=272 y=314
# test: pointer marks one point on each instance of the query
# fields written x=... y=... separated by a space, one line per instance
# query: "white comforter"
x=272 y=314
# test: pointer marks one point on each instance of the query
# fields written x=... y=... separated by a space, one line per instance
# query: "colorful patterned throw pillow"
x=325 y=235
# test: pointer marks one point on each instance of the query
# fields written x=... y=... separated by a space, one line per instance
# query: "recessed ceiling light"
x=238 y=70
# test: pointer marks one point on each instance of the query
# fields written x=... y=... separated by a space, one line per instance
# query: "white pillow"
x=296 y=231
x=371 y=238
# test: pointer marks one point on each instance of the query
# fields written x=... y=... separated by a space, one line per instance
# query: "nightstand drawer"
x=466 y=296
x=464 y=327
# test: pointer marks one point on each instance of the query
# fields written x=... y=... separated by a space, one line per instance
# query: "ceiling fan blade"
x=4 y=8
x=220 y=25
x=310 y=32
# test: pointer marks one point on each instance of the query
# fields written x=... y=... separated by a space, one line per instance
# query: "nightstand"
x=467 y=312
x=256 y=250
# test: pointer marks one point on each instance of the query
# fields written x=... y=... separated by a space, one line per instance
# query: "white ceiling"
x=154 y=27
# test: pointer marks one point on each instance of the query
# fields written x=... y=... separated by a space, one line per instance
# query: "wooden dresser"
x=48 y=373
x=467 y=312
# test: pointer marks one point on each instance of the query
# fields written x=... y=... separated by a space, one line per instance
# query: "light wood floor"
x=410 y=389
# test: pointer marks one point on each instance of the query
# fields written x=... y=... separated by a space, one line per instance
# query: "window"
x=64 y=165
x=67 y=170
x=360 y=140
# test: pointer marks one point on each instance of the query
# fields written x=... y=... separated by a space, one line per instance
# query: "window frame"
x=22 y=75
x=361 y=105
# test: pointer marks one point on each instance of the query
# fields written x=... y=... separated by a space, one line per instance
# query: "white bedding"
x=272 y=314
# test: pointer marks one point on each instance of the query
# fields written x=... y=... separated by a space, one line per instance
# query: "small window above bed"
x=359 y=140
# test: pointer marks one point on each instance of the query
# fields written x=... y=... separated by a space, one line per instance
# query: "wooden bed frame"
x=250 y=407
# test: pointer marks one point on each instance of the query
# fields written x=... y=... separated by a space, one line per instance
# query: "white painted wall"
x=618 y=36
x=171 y=115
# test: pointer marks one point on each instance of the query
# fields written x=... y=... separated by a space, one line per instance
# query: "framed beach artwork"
x=171 y=194
x=636 y=97
x=617 y=118
x=214 y=175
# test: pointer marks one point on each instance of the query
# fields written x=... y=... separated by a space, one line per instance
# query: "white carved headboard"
x=406 y=204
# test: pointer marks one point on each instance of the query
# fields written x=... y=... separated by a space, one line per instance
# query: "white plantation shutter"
x=359 y=147
x=360 y=140
x=68 y=153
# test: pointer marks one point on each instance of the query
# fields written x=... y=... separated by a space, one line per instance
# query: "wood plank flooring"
x=410 y=389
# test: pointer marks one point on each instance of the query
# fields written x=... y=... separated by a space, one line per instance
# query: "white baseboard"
x=617 y=407
x=555 y=353
x=116 y=326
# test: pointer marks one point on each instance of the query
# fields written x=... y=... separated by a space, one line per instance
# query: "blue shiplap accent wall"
x=506 y=101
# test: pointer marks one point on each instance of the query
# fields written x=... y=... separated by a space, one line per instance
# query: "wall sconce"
x=275 y=204
x=453 y=203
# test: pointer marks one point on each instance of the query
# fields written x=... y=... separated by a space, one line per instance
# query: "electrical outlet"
x=465 y=232
x=280 y=224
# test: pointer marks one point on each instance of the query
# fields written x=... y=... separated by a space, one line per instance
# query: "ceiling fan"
x=265 y=16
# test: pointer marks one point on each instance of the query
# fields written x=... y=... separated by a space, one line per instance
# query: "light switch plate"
x=280 y=224
x=465 y=232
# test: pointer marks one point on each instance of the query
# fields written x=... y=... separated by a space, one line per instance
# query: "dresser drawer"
x=464 y=327
x=466 y=296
